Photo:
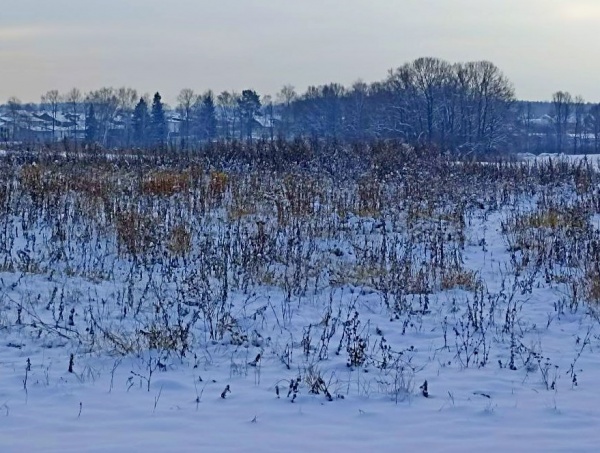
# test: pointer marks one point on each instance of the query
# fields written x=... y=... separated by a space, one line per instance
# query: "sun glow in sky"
x=542 y=45
x=582 y=11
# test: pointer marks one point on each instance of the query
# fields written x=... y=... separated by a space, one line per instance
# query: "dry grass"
x=461 y=279
x=369 y=197
x=180 y=241
x=173 y=338
x=165 y=183
x=299 y=195
x=591 y=284
x=245 y=199
x=362 y=275
x=553 y=218
x=120 y=342
x=135 y=232
x=218 y=184
x=31 y=178
x=95 y=187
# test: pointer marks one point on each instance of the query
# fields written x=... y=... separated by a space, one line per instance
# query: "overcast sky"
x=541 y=45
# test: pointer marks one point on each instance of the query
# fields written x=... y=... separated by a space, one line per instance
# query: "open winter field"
x=416 y=303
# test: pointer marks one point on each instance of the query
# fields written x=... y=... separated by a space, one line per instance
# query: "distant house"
x=39 y=126
x=4 y=129
x=266 y=125
x=544 y=120
x=174 y=123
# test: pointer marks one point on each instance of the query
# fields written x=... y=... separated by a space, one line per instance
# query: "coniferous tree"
x=208 y=117
x=141 y=122
x=158 y=121
x=91 y=125
x=249 y=105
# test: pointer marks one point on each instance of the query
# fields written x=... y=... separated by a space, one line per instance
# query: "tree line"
x=464 y=106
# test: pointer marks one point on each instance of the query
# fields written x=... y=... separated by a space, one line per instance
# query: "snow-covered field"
x=140 y=311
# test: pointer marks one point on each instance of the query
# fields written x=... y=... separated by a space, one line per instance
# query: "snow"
x=593 y=159
x=107 y=403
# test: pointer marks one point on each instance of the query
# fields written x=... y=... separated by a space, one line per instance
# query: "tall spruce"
x=208 y=117
x=158 y=121
x=141 y=123
x=249 y=105
x=91 y=125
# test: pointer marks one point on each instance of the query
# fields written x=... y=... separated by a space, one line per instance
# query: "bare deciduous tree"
x=561 y=102
x=228 y=113
x=579 y=126
x=106 y=105
x=14 y=108
x=51 y=100
x=187 y=101
x=286 y=96
x=73 y=101
x=594 y=125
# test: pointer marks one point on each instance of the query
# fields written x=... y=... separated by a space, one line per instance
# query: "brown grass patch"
x=591 y=285
x=180 y=241
x=218 y=184
x=369 y=197
x=166 y=183
x=553 y=218
x=135 y=232
x=460 y=278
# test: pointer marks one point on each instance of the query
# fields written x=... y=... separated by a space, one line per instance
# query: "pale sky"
x=165 y=45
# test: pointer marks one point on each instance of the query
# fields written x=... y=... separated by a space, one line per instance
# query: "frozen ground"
x=462 y=341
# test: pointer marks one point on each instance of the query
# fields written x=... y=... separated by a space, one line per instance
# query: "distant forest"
x=470 y=107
